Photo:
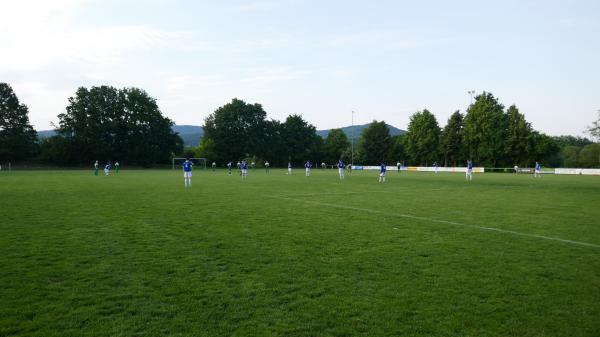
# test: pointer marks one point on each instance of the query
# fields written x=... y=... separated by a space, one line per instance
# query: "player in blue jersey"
x=244 y=168
x=289 y=172
x=307 y=166
x=382 y=170
x=107 y=168
x=187 y=172
x=537 y=172
x=469 y=174
x=435 y=167
x=341 y=167
x=229 y=168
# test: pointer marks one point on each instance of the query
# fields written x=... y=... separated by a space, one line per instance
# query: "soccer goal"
x=198 y=162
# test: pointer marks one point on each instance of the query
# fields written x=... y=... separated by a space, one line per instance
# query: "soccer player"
x=307 y=166
x=341 y=167
x=323 y=166
x=229 y=168
x=107 y=168
x=469 y=174
x=244 y=168
x=382 y=170
x=117 y=167
x=538 y=170
x=239 y=165
x=289 y=168
x=214 y=166
x=435 y=167
x=96 y=165
x=253 y=166
x=398 y=166
x=266 y=167
x=516 y=169
x=187 y=173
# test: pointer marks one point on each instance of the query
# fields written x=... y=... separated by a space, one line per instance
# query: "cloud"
x=39 y=34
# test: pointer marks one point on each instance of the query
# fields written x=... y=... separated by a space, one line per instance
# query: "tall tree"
x=121 y=124
x=374 y=143
x=423 y=138
x=451 y=140
x=238 y=130
x=335 y=145
x=17 y=137
x=300 y=140
x=594 y=129
x=519 y=142
x=485 y=130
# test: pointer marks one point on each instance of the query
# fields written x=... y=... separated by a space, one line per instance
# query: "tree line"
x=105 y=123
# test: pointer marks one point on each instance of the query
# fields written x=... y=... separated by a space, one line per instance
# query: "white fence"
x=421 y=169
x=571 y=171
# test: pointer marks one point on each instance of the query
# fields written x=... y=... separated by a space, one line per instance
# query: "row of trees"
x=126 y=124
x=100 y=123
x=487 y=133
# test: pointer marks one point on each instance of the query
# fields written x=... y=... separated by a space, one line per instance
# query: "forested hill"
x=191 y=134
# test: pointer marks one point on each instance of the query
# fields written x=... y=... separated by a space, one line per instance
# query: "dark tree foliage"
x=17 y=136
x=238 y=130
x=451 y=140
x=336 y=146
x=300 y=140
x=519 y=147
x=423 y=138
x=105 y=123
x=374 y=143
x=397 y=150
x=485 y=128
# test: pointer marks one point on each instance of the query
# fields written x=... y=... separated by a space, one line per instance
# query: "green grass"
x=136 y=254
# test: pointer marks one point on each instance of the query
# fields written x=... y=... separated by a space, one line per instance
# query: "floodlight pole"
x=352 y=142
x=471 y=92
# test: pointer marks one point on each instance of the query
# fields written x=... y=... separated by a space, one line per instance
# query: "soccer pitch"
x=423 y=254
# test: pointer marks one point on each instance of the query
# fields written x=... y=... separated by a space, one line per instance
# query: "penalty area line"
x=426 y=219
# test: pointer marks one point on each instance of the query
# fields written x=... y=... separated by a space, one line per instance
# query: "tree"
x=106 y=123
x=206 y=149
x=374 y=143
x=300 y=140
x=238 y=130
x=545 y=150
x=594 y=129
x=423 y=138
x=485 y=126
x=451 y=140
x=518 y=144
x=397 y=151
x=17 y=136
x=336 y=145
x=570 y=155
x=590 y=156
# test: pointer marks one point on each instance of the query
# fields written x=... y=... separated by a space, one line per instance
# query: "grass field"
x=136 y=254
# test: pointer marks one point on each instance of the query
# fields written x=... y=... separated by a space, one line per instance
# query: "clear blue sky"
x=320 y=59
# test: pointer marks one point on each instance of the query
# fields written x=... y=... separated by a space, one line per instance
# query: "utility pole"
x=352 y=142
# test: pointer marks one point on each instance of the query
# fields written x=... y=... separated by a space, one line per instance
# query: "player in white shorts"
x=187 y=173
x=469 y=174
x=382 y=170
x=341 y=167
x=308 y=166
x=538 y=170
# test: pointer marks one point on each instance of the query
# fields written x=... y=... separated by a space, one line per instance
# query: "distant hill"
x=357 y=130
x=191 y=134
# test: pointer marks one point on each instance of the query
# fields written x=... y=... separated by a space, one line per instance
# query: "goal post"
x=200 y=162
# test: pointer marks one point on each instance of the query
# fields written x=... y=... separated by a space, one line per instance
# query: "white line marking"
x=327 y=193
x=408 y=216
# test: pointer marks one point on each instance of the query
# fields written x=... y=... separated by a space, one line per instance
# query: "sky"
x=384 y=60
